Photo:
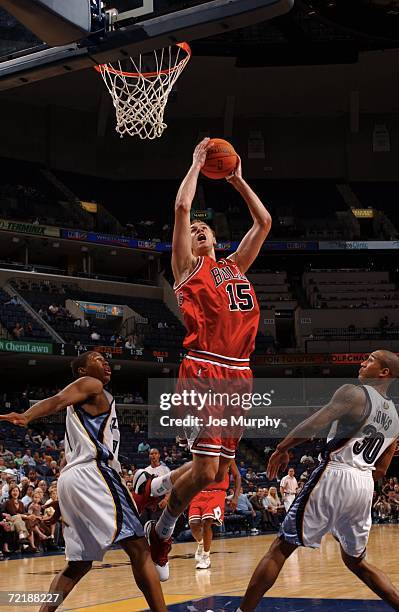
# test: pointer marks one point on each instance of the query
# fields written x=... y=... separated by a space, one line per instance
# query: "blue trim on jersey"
x=127 y=518
x=291 y=527
x=94 y=426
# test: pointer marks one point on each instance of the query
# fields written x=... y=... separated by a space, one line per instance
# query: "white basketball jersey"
x=364 y=447
x=92 y=438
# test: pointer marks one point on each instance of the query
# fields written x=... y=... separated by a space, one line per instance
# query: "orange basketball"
x=221 y=159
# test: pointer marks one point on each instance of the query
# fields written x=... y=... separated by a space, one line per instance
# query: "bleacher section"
x=12 y=313
x=272 y=290
x=44 y=293
x=352 y=311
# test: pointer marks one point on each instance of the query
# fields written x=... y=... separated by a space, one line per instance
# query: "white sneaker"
x=204 y=562
x=199 y=552
x=254 y=531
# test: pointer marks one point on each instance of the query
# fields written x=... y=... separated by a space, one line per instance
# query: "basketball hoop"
x=140 y=97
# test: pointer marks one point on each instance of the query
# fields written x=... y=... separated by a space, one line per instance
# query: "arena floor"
x=312 y=580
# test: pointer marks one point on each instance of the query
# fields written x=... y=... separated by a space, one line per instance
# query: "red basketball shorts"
x=208 y=505
x=216 y=393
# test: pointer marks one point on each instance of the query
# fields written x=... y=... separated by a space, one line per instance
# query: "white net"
x=139 y=96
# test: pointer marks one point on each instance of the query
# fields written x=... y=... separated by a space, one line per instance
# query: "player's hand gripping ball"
x=221 y=159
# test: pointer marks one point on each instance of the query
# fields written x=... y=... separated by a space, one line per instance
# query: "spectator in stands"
x=128 y=399
x=54 y=471
x=8 y=481
x=288 y=488
x=242 y=469
x=14 y=512
x=258 y=505
x=52 y=311
x=35 y=512
x=130 y=343
x=27 y=495
x=6 y=454
x=28 y=329
x=389 y=486
x=156 y=466
x=18 y=331
x=27 y=459
x=44 y=487
x=77 y=323
x=137 y=398
x=49 y=442
x=383 y=508
x=307 y=460
x=245 y=509
x=33 y=477
x=95 y=336
x=14 y=301
x=28 y=437
x=143 y=447
x=18 y=459
x=251 y=476
x=274 y=501
x=38 y=437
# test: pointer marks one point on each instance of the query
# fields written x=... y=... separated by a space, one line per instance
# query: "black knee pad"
x=77 y=569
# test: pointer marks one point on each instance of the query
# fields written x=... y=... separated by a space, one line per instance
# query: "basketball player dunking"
x=95 y=505
x=221 y=315
x=337 y=497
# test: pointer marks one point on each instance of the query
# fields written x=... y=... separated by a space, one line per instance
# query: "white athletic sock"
x=161 y=485
x=200 y=542
x=165 y=525
x=206 y=553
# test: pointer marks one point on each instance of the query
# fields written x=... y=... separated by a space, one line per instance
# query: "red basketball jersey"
x=220 y=309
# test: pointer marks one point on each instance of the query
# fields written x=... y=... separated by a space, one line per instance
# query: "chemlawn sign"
x=15 y=346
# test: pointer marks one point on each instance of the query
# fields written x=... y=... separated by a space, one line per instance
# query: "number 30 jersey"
x=220 y=310
x=365 y=446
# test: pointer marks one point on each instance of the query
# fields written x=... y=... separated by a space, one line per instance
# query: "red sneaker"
x=141 y=491
x=160 y=550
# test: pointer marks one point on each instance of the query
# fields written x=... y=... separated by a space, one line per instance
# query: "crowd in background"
x=28 y=486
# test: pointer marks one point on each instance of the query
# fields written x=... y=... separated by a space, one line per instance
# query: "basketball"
x=221 y=159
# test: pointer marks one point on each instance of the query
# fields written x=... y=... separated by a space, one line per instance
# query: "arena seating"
x=11 y=314
x=39 y=293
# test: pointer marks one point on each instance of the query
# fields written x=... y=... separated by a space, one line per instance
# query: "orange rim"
x=108 y=68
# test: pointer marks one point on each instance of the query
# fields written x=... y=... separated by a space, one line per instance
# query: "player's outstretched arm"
x=251 y=244
x=384 y=461
x=183 y=259
x=77 y=392
x=348 y=399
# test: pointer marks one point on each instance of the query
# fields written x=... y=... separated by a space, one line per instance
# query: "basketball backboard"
x=131 y=26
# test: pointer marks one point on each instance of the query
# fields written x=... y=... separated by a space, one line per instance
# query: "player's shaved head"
x=389 y=360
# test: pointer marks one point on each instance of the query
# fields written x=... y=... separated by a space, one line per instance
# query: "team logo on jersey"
x=180 y=298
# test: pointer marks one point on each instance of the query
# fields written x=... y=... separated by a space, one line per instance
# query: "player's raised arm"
x=183 y=259
x=78 y=391
x=251 y=244
x=348 y=399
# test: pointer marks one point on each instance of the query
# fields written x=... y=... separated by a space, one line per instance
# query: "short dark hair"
x=80 y=362
x=193 y=221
